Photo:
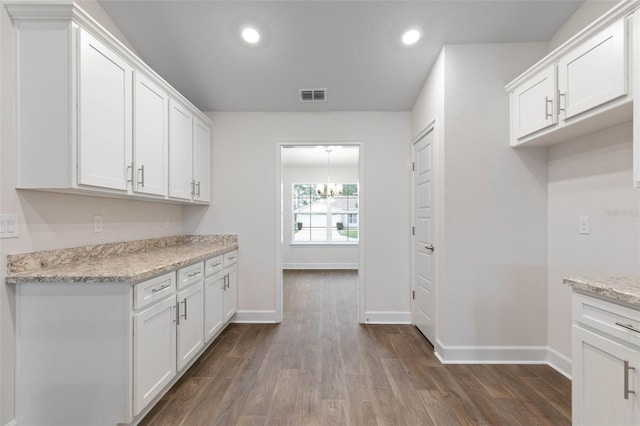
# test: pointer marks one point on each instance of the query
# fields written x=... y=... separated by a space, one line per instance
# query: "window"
x=325 y=214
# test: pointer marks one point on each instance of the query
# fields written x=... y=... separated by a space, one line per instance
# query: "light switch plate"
x=583 y=225
x=97 y=224
x=9 y=226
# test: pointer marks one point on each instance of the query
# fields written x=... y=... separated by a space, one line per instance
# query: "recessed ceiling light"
x=411 y=37
x=251 y=35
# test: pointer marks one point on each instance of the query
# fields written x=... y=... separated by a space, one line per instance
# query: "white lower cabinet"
x=115 y=348
x=190 y=323
x=230 y=293
x=154 y=351
x=606 y=363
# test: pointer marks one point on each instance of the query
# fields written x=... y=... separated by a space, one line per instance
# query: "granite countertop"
x=620 y=289
x=132 y=261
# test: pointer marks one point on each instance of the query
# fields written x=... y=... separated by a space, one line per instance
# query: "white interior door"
x=423 y=240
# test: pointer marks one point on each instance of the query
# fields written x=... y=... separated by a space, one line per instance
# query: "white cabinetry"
x=533 y=103
x=93 y=119
x=595 y=72
x=104 y=115
x=190 y=323
x=214 y=286
x=230 y=294
x=151 y=127
x=189 y=155
x=606 y=363
x=579 y=88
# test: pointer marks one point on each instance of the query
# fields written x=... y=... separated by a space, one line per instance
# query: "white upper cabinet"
x=93 y=119
x=595 y=72
x=151 y=128
x=534 y=103
x=181 y=183
x=581 y=87
x=104 y=115
x=202 y=160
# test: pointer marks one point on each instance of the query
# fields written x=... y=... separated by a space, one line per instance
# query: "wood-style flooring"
x=320 y=367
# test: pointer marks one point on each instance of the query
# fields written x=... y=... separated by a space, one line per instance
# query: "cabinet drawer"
x=154 y=289
x=615 y=320
x=190 y=275
x=213 y=265
x=230 y=258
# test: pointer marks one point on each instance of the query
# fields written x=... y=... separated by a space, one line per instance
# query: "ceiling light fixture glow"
x=251 y=35
x=411 y=37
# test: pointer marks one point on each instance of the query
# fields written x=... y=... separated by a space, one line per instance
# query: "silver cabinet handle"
x=548 y=101
x=129 y=167
x=193 y=188
x=626 y=380
x=155 y=290
x=628 y=326
x=195 y=274
x=429 y=247
x=141 y=181
x=185 y=309
x=561 y=95
x=177 y=320
x=224 y=283
x=198 y=191
x=215 y=265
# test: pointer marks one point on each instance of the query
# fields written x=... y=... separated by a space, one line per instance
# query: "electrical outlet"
x=97 y=224
x=583 y=225
x=9 y=226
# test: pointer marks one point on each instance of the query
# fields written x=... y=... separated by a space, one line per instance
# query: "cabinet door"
x=104 y=115
x=180 y=151
x=231 y=292
x=213 y=305
x=154 y=352
x=533 y=103
x=595 y=72
x=151 y=136
x=190 y=324
x=600 y=379
x=202 y=160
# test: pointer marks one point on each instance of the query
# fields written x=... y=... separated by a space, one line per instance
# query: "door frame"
x=279 y=217
x=431 y=127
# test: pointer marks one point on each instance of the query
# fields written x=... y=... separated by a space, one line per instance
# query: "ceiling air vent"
x=313 y=95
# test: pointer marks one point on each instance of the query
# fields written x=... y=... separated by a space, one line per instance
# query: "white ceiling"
x=317 y=156
x=352 y=48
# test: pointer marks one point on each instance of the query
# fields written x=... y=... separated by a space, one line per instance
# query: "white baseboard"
x=12 y=423
x=492 y=354
x=372 y=317
x=255 y=317
x=559 y=362
x=319 y=266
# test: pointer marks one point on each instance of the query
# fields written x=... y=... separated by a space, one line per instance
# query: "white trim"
x=257 y=317
x=384 y=317
x=493 y=354
x=320 y=266
x=559 y=362
x=279 y=213
x=12 y=423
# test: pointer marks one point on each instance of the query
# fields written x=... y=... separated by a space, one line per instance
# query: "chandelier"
x=329 y=189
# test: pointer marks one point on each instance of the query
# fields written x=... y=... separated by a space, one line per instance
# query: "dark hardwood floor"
x=320 y=367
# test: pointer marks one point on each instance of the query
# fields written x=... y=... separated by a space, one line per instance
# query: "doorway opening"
x=319 y=217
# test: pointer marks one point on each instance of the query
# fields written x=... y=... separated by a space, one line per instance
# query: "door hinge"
x=413 y=295
x=413 y=166
x=413 y=230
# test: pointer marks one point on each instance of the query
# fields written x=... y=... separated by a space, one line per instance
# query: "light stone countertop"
x=132 y=262
x=620 y=289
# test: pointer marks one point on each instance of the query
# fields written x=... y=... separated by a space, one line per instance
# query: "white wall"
x=492 y=243
x=49 y=221
x=244 y=156
x=588 y=12
x=310 y=257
